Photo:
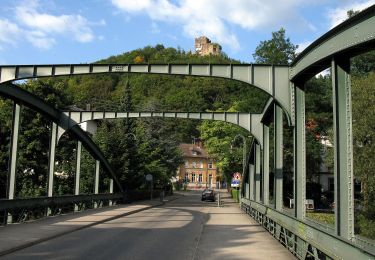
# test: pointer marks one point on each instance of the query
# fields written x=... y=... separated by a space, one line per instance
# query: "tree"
x=218 y=137
x=34 y=139
x=279 y=50
x=363 y=96
x=5 y=132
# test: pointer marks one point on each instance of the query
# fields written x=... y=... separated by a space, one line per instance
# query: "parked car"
x=208 y=194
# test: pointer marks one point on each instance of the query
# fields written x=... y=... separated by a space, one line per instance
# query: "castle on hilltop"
x=204 y=46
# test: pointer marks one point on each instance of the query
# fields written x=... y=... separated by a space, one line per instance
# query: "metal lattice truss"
x=285 y=87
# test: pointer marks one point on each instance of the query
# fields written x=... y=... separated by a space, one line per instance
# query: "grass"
x=327 y=218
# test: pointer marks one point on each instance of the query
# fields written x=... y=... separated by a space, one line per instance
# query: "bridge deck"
x=185 y=228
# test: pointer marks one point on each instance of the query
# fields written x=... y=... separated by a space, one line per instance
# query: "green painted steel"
x=19 y=95
x=248 y=121
x=252 y=181
x=266 y=163
x=272 y=79
x=78 y=168
x=97 y=170
x=51 y=159
x=329 y=244
x=258 y=173
x=278 y=158
x=344 y=193
x=96 y=182
x=77 y=176
x=57 y=200
x=13 y=151
x=343 y=41
x=299 y=155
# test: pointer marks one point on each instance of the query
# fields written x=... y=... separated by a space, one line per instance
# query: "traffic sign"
x=148 y=177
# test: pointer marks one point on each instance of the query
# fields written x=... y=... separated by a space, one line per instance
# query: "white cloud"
x=338 y=15
x=9 y=32
x=213 y=18
x=41 y=29
x=69 y=25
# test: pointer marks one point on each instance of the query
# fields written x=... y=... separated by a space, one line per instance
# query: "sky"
x=84 y=31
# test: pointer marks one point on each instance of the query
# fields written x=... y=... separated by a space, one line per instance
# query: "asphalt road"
x=182 y=229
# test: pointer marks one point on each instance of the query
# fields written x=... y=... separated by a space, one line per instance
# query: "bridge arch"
x=350 y=38
x=247 y=121
x=19 y=95
x=272 y=79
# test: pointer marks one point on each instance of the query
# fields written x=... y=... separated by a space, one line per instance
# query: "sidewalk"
x=229 y=233
x=17 y=236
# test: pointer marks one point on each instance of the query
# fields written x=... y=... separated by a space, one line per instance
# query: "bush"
x=235 y=193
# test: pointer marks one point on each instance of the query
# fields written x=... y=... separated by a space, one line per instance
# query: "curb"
x=41 y=240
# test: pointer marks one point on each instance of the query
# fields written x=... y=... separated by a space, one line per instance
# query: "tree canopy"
x=279 y=50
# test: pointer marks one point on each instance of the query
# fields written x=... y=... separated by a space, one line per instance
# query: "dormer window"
x=194 y=152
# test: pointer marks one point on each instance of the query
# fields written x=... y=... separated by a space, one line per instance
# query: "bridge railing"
x=27 y=209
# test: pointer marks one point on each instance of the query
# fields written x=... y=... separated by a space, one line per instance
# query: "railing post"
x=266 y=165
x=343 y=169
x=278 y=157
x=13 y=156
x=299 y=155
x=257 y=172
x=96 y=184
x=252 y=174
x=78 y=172
x=51 y=163
x=110 y=190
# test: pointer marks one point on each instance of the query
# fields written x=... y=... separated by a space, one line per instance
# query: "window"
x=193 y=177
x=194 y=152
x=210 y=165
x=194 y=164
x=200 y=178
x=186 y=177
x=186 y=164
x=201 y=164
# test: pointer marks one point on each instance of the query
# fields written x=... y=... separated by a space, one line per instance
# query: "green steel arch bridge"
x=285 y=86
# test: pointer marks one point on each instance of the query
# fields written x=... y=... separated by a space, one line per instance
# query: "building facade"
x=204 y=46
x=199 y=170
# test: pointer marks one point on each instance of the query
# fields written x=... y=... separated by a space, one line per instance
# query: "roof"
x=188 y=149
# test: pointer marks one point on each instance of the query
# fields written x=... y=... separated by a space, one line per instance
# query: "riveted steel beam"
x=19 y=95
x=248 y=121
x=272 y=79
x=97 y=171
x=258 y=153
x=13 y=151
x=343 y=174
x=278 y=157
x=349 y=38
x=266 y=163
x=299 y=155
x=32 y=203
x=331 y=245
x=51 y=159
x=77 y=177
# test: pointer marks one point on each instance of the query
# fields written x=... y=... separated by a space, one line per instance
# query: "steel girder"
x=247 y=121
x=19 y=95
x=329 y=244
x=273 y=79
x=353 y=36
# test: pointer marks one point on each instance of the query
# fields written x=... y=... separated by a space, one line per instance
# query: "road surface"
x=186 y=228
